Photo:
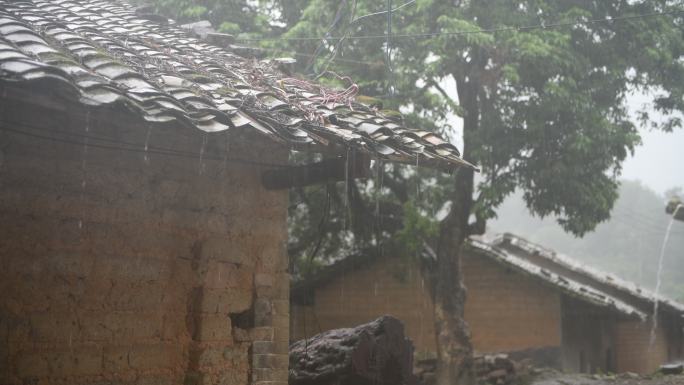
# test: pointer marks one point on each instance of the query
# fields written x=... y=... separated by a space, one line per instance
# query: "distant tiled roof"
x=101 y=53
x=524 y=257
x=565 y=268
x=565 y=284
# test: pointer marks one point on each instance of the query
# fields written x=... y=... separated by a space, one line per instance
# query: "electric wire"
x=336 y=58
x=117 y=145
x=431 y=35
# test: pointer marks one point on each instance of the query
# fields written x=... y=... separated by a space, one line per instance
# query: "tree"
x=543 y=111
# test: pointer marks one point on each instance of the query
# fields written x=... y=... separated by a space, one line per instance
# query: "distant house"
x=143 y=195
x=521 y=299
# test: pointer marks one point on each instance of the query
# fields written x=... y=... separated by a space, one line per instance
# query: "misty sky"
x=659 y=161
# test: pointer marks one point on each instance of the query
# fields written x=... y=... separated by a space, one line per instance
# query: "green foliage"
x=543 y=109
x=418 y=229
x=229 y=16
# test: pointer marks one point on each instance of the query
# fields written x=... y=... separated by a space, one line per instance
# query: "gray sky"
x=659 y=161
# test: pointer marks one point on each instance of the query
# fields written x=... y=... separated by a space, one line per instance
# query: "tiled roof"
x=524 y=257
x=101 y=53
x=562 y=266
x=586 y=292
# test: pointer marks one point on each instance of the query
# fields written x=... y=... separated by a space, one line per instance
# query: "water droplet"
x=84 y=155
x=147 y=144
x=201 y=154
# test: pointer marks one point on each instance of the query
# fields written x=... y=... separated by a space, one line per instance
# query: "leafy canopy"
x=544 y=109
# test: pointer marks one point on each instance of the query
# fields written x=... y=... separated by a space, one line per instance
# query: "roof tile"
x=108 y=54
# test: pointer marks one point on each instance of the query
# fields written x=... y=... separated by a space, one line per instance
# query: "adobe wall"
x=632 y=346
x=588 y=337
x=506 y=311
x=132 y=268
x=390 y=286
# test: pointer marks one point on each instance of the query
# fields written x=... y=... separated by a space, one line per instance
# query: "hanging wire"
x=389 y=49
x=383 y=12
x=321 y=45
x=118 y=145
x=432 y=35
x=338 y=47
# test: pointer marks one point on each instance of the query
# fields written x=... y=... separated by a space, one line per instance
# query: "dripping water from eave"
x=201 y=154
x=656 y=301
x=84 y=155
x=147 y=145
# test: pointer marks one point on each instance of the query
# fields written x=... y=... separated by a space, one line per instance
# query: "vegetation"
x=627 y=244
x=543 y=113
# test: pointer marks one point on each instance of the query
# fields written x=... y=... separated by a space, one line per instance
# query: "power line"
x=430 y=35
x=383 y=12
x=339 y=59
x=124 y=146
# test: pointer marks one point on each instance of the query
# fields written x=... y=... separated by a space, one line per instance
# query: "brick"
x=31 y=364
x=281 y=307
x=233 y=377
x=281 y=333
x=115 y=358
x=264 y=279
x=217 y=275
x=270 y=361
x=156 y=379
x=154 y=356
x=116 y=326
x=271 y=383
x=225 y=301
x=269 y=375
x=264 y=333
x=208 y=357
x=263 y=313
x=54 y=327
x=213 y=327
x=226 y=250
x=78 y=361
x=237 y=354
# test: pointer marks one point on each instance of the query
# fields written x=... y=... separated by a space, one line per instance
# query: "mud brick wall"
x=500 y=308
x=356 y=297
x=124 y=267
x=632 y=347
x=508 y=311
x=588 y=337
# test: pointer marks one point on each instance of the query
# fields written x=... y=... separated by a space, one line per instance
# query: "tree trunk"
x=454 y=351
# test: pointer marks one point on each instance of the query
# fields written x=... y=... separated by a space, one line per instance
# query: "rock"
x=374 y=353
x=629 y=375
x=674 y=368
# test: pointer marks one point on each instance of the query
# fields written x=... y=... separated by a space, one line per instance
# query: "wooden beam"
x=325 y=171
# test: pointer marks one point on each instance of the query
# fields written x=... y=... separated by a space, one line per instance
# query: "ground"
x=556 y=378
